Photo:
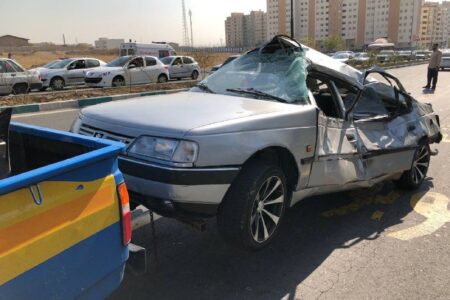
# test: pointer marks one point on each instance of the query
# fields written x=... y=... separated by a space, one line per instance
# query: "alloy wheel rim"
x=58 y=83
x=420 y=165
x=267 y=209
x=118 y=82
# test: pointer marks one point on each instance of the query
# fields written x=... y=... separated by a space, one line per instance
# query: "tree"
x=307 y=41
x=333 y=43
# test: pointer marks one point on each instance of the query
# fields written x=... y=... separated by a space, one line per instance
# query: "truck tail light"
x=126 y=213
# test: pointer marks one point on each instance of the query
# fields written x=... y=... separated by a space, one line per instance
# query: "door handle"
x=38 y=199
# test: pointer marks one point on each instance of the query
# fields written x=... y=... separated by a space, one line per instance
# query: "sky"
x=84 y=21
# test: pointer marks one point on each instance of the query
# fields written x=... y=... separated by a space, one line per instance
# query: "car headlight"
x=171 y=150
x=76 y=125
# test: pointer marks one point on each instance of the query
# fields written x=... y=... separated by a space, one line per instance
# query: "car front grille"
x=103 y=134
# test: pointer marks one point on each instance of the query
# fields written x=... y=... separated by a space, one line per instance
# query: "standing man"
x=433 y=68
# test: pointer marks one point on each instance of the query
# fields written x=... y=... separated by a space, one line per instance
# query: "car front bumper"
x=35 y=86
x=184 y=193
x=95 y=81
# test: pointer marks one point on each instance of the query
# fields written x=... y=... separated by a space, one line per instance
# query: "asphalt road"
x=378 y=243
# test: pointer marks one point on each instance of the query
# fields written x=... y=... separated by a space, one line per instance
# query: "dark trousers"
x=432 y=77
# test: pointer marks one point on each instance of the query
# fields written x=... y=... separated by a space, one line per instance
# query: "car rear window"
x=150 y=61
x=92 y=63
x=188 y=60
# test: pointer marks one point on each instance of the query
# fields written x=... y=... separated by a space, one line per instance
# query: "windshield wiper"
x=254 y=92
x=205 y=88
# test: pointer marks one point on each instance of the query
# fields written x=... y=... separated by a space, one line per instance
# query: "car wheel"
x=253 y=209
x=194 y=75
x=162 y=78
x=43 y=89
x=413 y=178
x=118 y=81
x=20 y=88
x=57 y=84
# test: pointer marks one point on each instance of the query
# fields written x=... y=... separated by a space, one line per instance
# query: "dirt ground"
x=90 y=93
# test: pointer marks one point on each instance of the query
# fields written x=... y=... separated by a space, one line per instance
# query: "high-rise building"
x=246 y=30
x=234 y=30
x=357 y=22
x=434 y=25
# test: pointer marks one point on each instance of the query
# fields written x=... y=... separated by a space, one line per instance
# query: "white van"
x=154 y=49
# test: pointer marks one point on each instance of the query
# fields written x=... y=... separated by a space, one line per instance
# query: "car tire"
x=163 y=78
x=43 y=89
x=253 y=209
x=20 y=88
x=195 y=75
x=57 y=83
x=414 y=177
x=118 y=81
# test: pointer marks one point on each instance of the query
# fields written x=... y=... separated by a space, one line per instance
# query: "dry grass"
x=39 y=58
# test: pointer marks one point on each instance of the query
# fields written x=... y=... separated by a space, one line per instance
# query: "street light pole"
x=292 y=18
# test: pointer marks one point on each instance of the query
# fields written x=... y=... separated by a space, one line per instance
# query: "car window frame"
x=87 y=62
x=153 y=59
x=189 y=59
x=335 y=95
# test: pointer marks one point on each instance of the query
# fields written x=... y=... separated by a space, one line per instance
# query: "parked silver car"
x=16 y=79
x=182 y=67
x=68 y=72
x=278 y=124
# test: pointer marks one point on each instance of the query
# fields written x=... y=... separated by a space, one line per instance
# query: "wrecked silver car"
x=278 y=124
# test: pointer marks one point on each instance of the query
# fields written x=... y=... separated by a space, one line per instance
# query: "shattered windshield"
x=274 y=72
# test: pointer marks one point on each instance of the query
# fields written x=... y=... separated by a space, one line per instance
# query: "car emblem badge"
x=98 y=135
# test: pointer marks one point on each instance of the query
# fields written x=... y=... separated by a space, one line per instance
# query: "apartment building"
x=434 y=25
x=246 y=30
x=357 y=22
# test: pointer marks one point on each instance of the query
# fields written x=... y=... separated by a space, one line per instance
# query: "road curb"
x=80 y=103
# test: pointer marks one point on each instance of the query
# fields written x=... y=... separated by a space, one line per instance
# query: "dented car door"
x=337 y=160
x=386 y=124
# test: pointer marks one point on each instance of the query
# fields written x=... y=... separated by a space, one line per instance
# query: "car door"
x=176 y=68
x=76 y=72
x=151 y=69
x=189 y=66
x=135 y=71
x=337 y=159
x=387 y=131
x=5 y=79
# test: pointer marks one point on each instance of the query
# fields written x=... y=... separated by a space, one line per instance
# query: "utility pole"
x=185 y=26
x=192 y=31
x=64 y=39
x=292 y=18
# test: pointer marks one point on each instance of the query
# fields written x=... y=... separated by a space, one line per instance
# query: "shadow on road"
x=194 y=265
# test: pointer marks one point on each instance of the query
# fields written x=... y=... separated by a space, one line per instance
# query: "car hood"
x=101 y=70
x=174 y=115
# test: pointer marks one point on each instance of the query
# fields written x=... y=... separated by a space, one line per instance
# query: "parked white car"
x=16 y=79
x=182 y=67
x=445 y=62
x=68 y=72
x=127 y=70
x=342 y=57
